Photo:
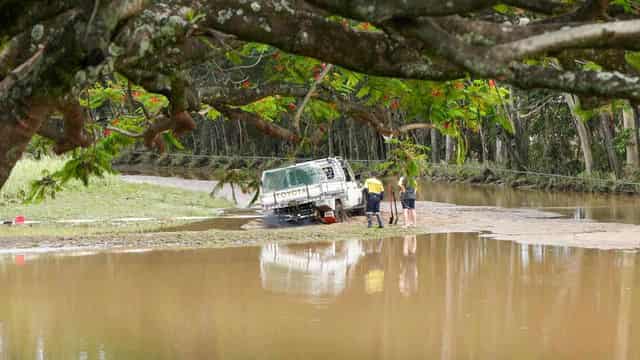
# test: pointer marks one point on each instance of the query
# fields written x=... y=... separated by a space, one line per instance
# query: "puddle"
x=446 y=296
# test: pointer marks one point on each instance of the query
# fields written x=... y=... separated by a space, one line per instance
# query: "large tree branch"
x=585 y=36
x=485 y=63
x=236 y=96
x=303 y=33
x=486 y=33
x=378 y=11
x=307 y=97
x=265 y=126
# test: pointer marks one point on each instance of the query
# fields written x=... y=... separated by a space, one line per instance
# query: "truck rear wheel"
x=341 y=214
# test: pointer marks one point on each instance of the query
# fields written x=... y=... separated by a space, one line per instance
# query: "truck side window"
x=347 y=174
x=328 y=171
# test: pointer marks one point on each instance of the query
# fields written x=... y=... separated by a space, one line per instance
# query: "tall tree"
x=631 y=126
x=583 y=132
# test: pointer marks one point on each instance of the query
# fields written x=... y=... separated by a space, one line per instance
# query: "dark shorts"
x=408 y=203
x=373 y=203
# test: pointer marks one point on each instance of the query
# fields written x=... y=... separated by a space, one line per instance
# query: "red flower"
x=135 y=93
x=492 y=83
x=436 y=93
x=446 y=125
x=324 y=66
x=292 y=106
x=395 y=104
x=154 y=100
x=246 y=84
x=106 y=132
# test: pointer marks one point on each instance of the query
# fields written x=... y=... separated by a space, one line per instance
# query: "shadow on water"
x=446 y=296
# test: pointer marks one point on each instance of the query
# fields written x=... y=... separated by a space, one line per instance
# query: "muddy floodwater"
x=599 y=207
x=448 y=296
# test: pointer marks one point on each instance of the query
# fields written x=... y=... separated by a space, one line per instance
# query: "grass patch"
x=104 y=199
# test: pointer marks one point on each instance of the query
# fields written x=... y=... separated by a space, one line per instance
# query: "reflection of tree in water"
x=313 y=270
x=408 y=283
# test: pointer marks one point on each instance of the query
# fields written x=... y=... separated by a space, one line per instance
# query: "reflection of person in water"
x=408 y=283
x=374 y=268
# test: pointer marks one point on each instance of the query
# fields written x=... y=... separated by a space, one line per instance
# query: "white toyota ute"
x=324 y=189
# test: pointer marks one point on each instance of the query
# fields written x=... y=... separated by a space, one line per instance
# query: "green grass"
x=103 y=199
x=24 y=173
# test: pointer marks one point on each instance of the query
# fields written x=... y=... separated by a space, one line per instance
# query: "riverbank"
x=520 y=225
x=536 y=223
x=525 y=180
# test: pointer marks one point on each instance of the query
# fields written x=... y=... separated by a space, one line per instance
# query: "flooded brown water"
x=448 y=296
x=599 y=207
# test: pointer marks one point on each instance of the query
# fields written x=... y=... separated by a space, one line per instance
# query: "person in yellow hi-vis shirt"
x=374 y=191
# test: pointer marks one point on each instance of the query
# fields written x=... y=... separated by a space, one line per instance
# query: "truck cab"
x=324 y=189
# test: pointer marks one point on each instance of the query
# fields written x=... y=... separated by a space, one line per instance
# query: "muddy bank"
x=202 y=239
x=519 y=225
x=530 y=180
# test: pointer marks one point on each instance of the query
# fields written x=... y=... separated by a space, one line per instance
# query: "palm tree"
x=247 y=180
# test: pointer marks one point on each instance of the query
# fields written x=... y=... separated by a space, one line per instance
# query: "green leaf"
x=633 y=58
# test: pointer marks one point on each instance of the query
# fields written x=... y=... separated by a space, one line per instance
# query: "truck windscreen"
x=291 y=178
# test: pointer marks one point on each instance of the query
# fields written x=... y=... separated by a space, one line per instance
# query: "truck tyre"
x=341 y=214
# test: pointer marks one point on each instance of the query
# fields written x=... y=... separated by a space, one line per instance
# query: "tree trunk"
x=583 y=133
x=435 y=145
x=629 y=119
x=500 y=151
x=450 y=148
x=483 y=143
x=605 y=118
x=16 y=136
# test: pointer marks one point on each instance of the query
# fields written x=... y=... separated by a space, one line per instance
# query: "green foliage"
x=84 y=164
x=271 y=108
x=622 y=139
x=591 y=66
x=503 y=9
x=629 y=6
x=39 y=147
x=453 y=107
x=405 y=159
x=633 y=58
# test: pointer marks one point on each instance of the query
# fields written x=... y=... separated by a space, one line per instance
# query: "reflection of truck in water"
x=313 y=270
x=325 y=189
